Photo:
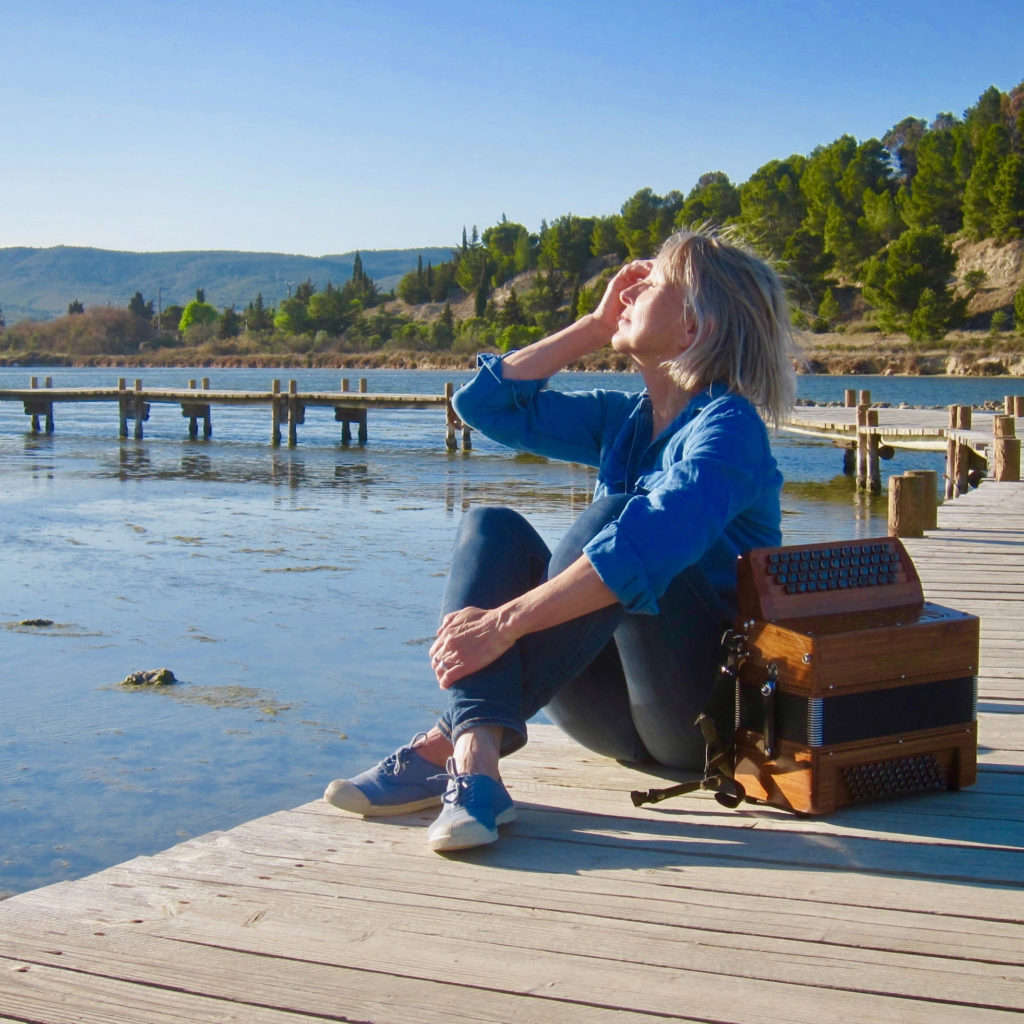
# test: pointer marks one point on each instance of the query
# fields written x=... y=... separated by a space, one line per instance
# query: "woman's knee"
x=487 y=520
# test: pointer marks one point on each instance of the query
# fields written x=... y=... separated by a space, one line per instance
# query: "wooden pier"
x=975 y=443
x=287 y=407
x=588 y=909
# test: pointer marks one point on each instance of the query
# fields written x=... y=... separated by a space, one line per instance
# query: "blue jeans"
x=626 y=686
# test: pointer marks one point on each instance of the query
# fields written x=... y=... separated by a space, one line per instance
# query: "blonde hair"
x=738 y=303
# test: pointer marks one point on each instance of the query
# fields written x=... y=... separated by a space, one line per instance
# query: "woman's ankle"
x=436 y=748
x=477 y=751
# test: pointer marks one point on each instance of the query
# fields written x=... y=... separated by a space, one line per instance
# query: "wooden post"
x=275 y=413
x=362 y=385
x=850 y=398
x=906 y=506
x=959 y=417
x=1005 y=449
x=931 y=496
x=862 y=447
x=344 y=383
x=48 y=383
x=34 y=383
x=293 y=414
x=950 y=488
x=138 y=410
x=449 y=418
x=874 y=472
x=863 y=397
x=362 y=426
x=1018 y=405
x=961 y=467
x=122 y=406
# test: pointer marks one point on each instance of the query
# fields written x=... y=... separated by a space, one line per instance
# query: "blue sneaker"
x=403 y=782
x=474 y=807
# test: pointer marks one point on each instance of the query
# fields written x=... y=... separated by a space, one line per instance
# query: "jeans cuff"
x=513 y=739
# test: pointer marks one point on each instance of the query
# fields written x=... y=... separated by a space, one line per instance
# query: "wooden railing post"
x=959 y=417
x=906 y=506
x=1005 y=449
x=931 y=496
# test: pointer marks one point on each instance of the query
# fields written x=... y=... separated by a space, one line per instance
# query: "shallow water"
x=293 y=592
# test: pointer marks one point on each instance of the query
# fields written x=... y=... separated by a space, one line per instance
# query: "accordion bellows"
x=851 y=687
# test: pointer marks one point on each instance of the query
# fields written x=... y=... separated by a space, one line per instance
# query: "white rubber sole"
x=466 y=833
x=346 y=797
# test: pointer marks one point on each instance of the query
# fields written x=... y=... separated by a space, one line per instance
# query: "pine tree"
x=929 y=320
x=979 y=202
x=75 y=306
x=512 y=311
x=1008 y=199
x=894 y=281
x=829 y=310
x=934 y=197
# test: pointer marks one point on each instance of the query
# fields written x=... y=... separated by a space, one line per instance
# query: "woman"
x=616 y=635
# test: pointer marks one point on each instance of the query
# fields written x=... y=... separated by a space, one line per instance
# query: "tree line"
x=858 y=228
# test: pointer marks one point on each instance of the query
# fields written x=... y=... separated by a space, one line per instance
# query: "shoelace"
x=394 y=763
x=458 y=785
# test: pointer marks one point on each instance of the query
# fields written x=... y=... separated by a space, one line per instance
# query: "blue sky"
x=323 y=127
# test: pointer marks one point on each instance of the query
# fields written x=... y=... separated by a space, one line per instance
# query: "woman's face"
x=652 y=322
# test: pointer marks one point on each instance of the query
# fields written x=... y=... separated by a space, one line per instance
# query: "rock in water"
x=150 y=677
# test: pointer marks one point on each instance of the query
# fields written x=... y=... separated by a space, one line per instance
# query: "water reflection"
x=133 y=461
x=197 y=466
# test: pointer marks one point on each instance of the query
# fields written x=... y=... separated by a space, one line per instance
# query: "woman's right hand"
x=611 y=305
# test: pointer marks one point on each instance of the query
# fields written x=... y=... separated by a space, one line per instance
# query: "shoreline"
x=835 y=355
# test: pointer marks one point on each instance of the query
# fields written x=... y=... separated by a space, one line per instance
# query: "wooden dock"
x=287 y=407
x=588 y=909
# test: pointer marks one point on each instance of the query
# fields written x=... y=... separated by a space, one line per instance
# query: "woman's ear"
x=689 y=335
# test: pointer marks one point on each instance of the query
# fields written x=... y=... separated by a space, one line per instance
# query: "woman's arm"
x=549 y=355
x=472 y=638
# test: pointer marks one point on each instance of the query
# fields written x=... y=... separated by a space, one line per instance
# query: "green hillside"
x=39 y=283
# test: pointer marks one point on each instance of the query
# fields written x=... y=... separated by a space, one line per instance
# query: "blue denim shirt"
x=705 y=490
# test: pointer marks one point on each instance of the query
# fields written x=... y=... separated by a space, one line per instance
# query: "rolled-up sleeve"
x=529 y=416
x=703 y=485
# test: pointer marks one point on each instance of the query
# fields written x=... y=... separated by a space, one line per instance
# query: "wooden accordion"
x=849 y=685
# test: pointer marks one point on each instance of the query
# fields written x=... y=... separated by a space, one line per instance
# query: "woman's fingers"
x=468 y=640
x=611 y=304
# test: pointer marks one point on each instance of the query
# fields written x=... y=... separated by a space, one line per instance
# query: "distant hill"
x=39 y=283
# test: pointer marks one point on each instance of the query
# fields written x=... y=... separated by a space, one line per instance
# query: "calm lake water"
x=294 y=592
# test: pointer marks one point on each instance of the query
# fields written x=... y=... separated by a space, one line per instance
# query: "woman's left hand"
x=468 y=640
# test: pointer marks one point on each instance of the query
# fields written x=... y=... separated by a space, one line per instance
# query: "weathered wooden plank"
x=303 y=989
x=611 y=964
x=713 y=918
